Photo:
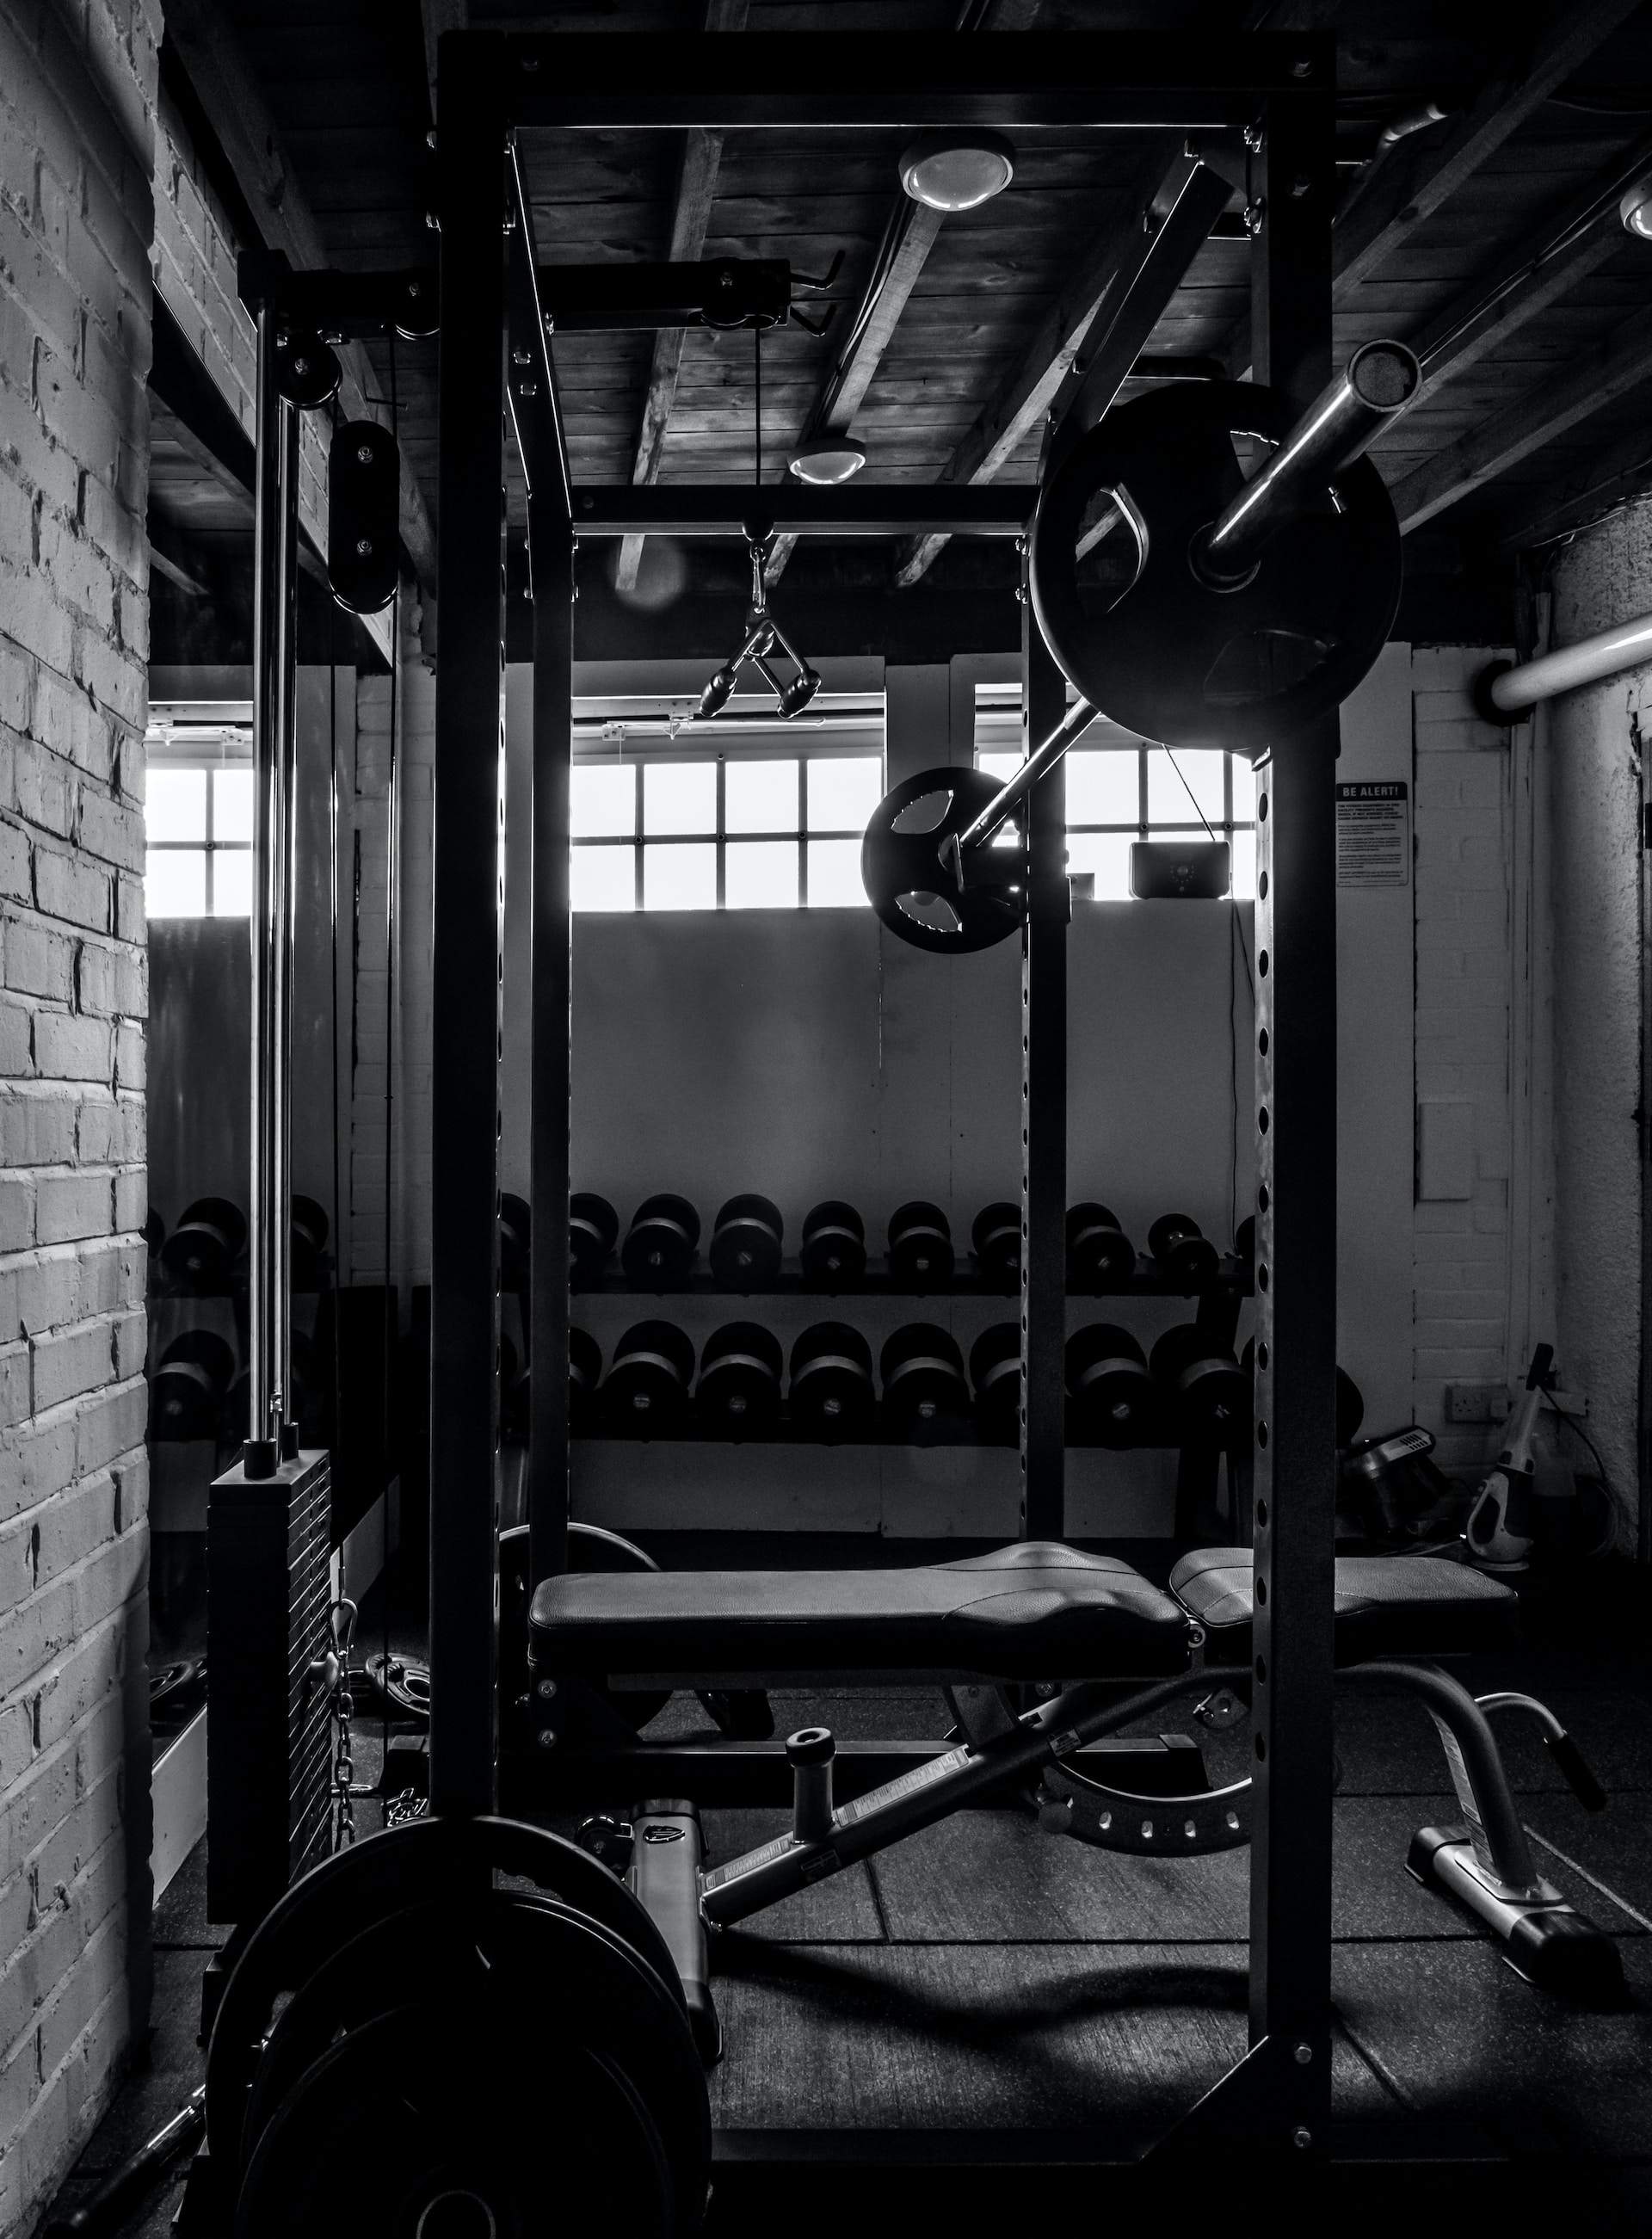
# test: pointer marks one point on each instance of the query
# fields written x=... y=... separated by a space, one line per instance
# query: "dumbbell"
x=833 y=1395
x=645 y=1392
x=920 y=1248
x=1350 y=1400
x=515 y=1241
x=190 y=1386
x=1186 y=1258
x=661 y=1244
x=309 y=1231
x=926 y=1394
x=833 y=1251
x=746 y=1242
x=995 y=1370
x=739 y=1392
x=200 y=1253
x=1113 y=1400
x=153 y=1231
x=995 y=1239
x=516 y=1388
x=1100 y=1257
x=1207 y=1390
x=593 y=1229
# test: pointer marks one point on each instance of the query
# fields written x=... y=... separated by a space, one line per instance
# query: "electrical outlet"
x=1476 y=1403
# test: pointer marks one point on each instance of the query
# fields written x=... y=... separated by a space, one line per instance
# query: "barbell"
x=1249 y=607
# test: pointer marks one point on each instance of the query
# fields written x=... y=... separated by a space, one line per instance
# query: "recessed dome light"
x=1636 y=209
x=828 y=459
x=957 y=170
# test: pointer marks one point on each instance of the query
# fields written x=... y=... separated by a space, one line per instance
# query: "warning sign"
x=1374 y=833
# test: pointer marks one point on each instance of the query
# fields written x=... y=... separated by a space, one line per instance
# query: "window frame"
x=212 y=749
x=997 y=701
x=767 y=747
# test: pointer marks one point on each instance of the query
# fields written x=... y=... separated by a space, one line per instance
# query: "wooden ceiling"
x=1539 y=421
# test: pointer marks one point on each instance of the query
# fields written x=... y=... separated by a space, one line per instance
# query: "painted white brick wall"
x=77 y=95
x=1463 y=852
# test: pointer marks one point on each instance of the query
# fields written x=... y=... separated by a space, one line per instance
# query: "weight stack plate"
x=270 y=1756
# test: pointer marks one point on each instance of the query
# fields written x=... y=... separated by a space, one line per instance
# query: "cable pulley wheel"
x=908 y=883
x=1166 y=653
x=463 y=2146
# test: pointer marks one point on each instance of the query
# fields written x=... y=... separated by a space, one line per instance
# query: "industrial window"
x=1130 y=790
x=745 y=812
x=197 y=816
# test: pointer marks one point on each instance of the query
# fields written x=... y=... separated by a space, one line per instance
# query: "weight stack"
x=269 y=1754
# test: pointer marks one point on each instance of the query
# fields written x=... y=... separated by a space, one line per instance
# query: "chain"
x=344 y=1623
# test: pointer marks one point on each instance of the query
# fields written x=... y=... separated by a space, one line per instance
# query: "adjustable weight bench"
x=1103 y=1648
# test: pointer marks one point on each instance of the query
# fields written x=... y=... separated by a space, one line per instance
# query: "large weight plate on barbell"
x=910 y=887
x=446 y=2122
x=573 y=1985
x=424 y=1861
x=1167 y=656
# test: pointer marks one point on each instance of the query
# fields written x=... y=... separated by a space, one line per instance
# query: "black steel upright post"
x=1044 y=1105
x=464 y=1315
x=1295 y=1272
x=551 y=546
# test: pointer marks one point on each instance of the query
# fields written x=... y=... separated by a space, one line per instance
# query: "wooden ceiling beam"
x=1620 y=360
x=225 y=85
x=1572 y=501
x=702 y=155
x=1116 y=271
x=1399 y=193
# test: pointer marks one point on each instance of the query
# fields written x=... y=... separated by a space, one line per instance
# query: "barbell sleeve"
x=1379 y=381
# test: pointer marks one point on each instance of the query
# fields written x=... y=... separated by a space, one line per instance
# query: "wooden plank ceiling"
x=1495 y=457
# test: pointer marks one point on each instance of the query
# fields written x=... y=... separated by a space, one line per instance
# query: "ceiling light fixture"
x=957 y=170
x=828 y=458
x=1636 y=209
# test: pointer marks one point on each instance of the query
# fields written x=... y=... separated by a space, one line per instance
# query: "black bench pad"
x=1386 y=1604
x=1036 y=1610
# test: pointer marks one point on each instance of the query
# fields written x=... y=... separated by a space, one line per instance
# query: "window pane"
x=1245 y=789
x=175 y=805
x=682 y=878
x=762 y=874
x=175 y=881
x=679 y=797
x=998 y=766
x=1107 y=854
x=834 y=875
x=232 y=882
x=843 y=792
x=1103 y=788
x=604 y=877
x=1167 y=800
x=604 y=800
x=759 y=797
x=1245 y=865
x=232 y=804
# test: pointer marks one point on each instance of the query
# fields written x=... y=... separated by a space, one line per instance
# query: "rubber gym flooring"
x=984 y=1976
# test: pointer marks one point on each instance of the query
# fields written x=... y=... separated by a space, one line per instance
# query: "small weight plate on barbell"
x=910 y=887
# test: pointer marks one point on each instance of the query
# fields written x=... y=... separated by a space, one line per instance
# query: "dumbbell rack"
x=1146 y=1282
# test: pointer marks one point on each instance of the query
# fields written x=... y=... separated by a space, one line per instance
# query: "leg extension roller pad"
x=1542 y=1938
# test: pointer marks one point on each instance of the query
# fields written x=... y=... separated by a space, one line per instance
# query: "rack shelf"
x=1233 y=1277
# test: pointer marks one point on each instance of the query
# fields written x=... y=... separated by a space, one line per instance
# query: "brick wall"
x=1464 y=961
x=77 y=92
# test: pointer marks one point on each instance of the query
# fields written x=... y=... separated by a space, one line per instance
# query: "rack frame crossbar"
x=496 y=358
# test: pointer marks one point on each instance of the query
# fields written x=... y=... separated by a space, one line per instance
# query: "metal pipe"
x=283 y=888
x=1379 y=381
x=1512 y=690
x=270 y=638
